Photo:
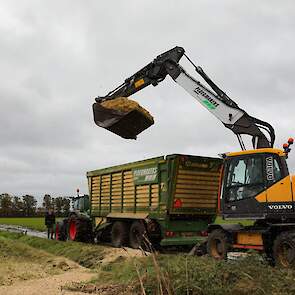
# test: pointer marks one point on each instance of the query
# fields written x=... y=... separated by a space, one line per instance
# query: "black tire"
x=119 y=234
x=218 y=244
x=79 y=230
x=60 y=231
x=136 y=235
x=63 y=233
x=284 y=249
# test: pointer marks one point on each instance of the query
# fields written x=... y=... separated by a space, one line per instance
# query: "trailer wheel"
x=218 y=244
x=136 y=234
x=119 y=234
x=284 y=249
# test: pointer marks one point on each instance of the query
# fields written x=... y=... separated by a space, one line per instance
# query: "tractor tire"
x=218 y=244
x=60 y=231
x=119 y=234
x=284 y=249
x=79 y=230
x=63 y=232
x=137 y=235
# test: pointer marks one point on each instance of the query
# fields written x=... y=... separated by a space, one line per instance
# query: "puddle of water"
x=23 y=230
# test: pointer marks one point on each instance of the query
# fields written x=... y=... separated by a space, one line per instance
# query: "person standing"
x=50 y=222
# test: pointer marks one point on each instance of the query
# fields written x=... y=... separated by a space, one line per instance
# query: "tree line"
x=27 y=205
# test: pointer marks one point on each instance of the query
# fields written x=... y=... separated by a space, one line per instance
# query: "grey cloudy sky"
x=56 y=56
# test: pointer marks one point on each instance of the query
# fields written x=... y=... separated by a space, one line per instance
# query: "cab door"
x=279 y=187
x=244 y=180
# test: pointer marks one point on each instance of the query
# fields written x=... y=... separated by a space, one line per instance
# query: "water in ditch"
x=23 y=230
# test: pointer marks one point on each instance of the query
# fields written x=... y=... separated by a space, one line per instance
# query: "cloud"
x=57 y=56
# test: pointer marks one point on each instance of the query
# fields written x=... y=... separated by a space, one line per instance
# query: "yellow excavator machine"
x=254 y=184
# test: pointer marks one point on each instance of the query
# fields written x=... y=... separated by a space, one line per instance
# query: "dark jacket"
x=49 y=219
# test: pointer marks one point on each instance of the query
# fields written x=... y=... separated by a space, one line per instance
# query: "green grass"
x=36 y=223
x=87 y=255
x=180 y=274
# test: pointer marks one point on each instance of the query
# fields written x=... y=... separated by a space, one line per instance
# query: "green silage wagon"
x=165 y=200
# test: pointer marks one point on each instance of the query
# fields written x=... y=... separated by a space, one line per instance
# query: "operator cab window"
x=244 y=178
x=76 y=204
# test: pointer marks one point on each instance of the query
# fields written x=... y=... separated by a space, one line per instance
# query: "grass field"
x=36 y=223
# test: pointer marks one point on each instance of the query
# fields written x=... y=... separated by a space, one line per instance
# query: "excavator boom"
x=128 y=124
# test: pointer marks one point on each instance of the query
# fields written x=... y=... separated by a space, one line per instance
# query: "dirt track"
x=50 y=285
x=30 y=271
x=55 y=284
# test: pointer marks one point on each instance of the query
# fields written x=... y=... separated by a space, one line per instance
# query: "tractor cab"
x=80 y=204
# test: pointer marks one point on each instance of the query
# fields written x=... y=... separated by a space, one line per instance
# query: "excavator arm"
x=151 y=74
x=214 y=100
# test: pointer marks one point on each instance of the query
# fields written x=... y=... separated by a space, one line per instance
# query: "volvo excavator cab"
x=255 y=181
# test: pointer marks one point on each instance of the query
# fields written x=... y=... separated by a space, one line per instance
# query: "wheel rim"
x=217 y=249
x=286 y=254
x=72 y=230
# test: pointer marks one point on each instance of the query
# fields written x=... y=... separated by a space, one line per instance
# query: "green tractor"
x=78 y=225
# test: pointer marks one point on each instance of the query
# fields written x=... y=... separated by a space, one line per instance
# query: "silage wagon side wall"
x=115 y=190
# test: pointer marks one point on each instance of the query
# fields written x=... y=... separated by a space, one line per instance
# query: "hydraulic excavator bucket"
x=126 y=122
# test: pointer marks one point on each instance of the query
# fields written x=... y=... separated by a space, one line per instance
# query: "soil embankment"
x=30 y=265
x=51 y=285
